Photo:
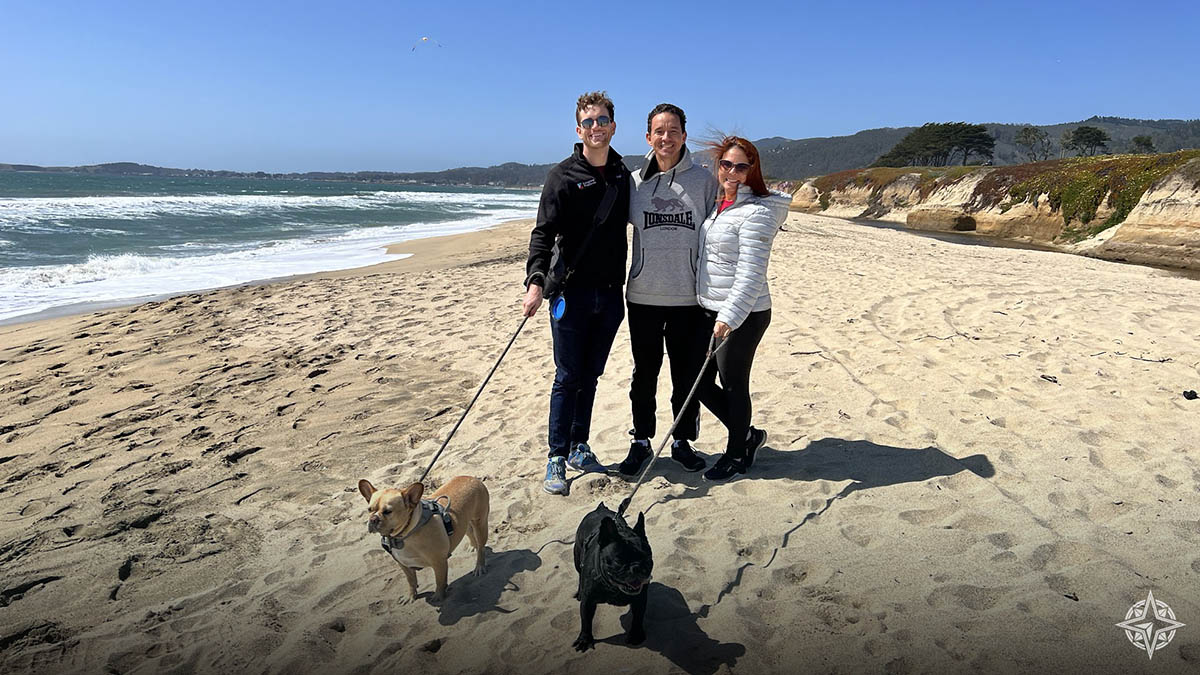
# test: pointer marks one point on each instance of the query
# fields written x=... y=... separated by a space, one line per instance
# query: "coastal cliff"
x=1135 y=208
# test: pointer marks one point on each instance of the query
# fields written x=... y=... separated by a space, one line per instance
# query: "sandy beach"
x=979 y=459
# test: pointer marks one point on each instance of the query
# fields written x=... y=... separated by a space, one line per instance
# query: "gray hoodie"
x=666 y=211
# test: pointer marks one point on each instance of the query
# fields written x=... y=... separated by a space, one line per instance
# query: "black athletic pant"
x=686 y=332
x=730 y=401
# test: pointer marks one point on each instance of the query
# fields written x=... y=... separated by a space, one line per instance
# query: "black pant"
x=686 y=332
x=730 y=401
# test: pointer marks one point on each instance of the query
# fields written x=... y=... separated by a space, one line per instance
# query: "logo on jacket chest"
x=663 y=214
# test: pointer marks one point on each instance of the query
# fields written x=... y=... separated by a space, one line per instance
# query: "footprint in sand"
x=856 y=535
x=1059 y=556
x=928 y=516
x=34 y=508
x=975 y=598
x=1001 y=540
x=899 y=421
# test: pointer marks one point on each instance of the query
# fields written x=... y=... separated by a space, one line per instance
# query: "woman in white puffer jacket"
x=731 y=285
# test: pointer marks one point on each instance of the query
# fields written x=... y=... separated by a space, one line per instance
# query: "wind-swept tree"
x=1143 y=145
x=936 y=144
x=1090 y=140
x=973 y=139
x=1066 y=143
x=1034 y=143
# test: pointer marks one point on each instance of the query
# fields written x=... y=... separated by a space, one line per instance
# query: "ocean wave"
x=108 y=278
x=39 y=211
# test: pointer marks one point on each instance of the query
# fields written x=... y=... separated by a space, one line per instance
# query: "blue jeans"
x=582 y=340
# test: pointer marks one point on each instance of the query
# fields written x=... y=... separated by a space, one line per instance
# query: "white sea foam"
x=106 y=279
x=37 y=212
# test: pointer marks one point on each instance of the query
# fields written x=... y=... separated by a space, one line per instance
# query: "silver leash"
x=713 y=348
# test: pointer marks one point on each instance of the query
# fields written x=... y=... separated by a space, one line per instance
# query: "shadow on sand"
x=672 y=630
x=470 y=595
x=868 y=465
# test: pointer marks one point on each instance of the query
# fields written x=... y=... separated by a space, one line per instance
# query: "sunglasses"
x=740 y=167
x=601 y=121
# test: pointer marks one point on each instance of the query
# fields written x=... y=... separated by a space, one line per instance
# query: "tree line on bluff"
x=940 y=143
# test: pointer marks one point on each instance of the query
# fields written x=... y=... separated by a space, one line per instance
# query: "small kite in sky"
x=424 y=41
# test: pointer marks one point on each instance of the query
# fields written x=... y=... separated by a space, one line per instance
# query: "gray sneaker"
x=556 y=476
x=582 y=459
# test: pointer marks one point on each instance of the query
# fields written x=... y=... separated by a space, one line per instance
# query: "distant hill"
x=783 y=158
x=511 y=174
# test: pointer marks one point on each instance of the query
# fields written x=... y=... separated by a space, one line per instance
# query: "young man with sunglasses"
x=671 y=197
x=578 y=244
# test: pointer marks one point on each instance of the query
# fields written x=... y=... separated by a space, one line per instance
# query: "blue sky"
x=298 y=86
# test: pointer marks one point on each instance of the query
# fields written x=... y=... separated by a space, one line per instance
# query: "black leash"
x=464 y=415
x=713 y=348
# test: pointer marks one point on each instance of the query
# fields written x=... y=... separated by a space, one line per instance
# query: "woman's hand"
x=721 y=330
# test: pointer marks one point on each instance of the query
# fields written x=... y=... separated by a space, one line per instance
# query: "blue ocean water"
x=76 y=238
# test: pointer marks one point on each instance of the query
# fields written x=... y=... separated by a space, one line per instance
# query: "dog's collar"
x=429 y=508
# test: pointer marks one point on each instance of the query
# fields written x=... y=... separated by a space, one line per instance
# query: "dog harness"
x=595 y=550
x=429 y=509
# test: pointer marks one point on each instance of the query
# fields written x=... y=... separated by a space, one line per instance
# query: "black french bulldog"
x=614 y=564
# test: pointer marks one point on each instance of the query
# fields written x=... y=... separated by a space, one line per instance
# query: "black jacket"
x=570 y=197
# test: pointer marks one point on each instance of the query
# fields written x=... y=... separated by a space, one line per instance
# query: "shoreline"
x=437 y=250
x=428 y=253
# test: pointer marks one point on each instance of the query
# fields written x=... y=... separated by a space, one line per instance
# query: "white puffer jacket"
x=735 y=245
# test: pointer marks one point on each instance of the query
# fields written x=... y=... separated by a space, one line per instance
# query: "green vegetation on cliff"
x=878 y=179
x=1077 y=186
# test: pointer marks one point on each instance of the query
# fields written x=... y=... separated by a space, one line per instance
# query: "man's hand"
x=533 y=300
x=721 y=330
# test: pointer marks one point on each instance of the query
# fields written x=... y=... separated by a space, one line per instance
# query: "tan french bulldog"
x=415 y=541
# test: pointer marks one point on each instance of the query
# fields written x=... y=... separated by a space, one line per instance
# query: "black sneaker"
x=639 y=452
x=725 y=467
x=754 y=440
x=682 y=452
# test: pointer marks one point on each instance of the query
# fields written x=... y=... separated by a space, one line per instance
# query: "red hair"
x=754 y=177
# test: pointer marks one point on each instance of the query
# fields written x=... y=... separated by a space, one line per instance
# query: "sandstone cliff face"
x=949 y=208
x=890 y=204
x=1162 y=229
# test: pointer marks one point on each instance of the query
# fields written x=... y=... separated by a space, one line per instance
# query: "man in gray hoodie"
x=670 y=199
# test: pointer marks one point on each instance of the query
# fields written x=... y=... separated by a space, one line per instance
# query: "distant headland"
x=783 y=159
